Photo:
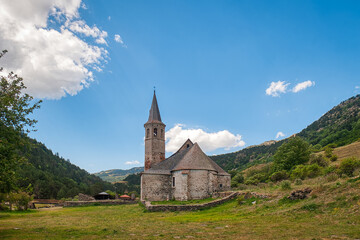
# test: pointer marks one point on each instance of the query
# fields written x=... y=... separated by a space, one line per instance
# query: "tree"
x=294 y=152
x=15 y=106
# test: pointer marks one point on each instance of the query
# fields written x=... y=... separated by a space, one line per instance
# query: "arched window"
x=147 y=133
x=155 y=132
x=162 y=133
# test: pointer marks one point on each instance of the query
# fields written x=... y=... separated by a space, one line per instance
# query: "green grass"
x=175 y=202
x=334 y=213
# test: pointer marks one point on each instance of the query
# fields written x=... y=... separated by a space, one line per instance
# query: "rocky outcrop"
x=299 y=194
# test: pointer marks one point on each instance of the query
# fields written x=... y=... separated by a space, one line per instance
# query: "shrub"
x=333 y=158
x=240 y=200
x=348 y=166
x=20 y=199
x=238 y=178
x=330 y=169
x=319 y=160
x=285 y=185
x=328 y=151
x=257 y=178
x=278 y=176
x=304 y=171
x=299 y=172
x=332 y=177
x=252 y=181
x=313 y=170
x=298 y=181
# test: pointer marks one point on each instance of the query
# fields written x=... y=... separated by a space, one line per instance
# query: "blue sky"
x=211 y=63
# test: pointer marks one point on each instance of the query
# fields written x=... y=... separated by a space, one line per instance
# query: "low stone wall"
x=192 y=207
x=99 y=202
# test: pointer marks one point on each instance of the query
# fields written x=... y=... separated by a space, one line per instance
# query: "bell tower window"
x=155 y=132
x=162 y=133
x=147 y=133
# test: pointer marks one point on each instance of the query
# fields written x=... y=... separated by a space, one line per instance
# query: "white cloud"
x=276 y=88
x=279 y=135
x=302 y=86
x=357 y=87
x=177 y=135
x=80 y=26
x=54 y=61
x=109 y=18
x=118 y=38
x=132 y=163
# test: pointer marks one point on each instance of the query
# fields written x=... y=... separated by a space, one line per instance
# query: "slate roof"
x=188 y=157
x=154 y=113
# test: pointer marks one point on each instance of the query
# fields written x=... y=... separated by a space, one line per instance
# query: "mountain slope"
x=115 y=175
x=52 y=176
x=339 y=126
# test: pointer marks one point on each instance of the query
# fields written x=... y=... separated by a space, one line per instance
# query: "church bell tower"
x=154 y=136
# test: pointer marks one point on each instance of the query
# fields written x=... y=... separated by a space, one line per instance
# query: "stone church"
x=187 y=174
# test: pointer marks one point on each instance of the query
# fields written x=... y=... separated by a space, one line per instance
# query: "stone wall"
x=198 y=184
x=225 y=182
x=155 y=187
x=180 y=190
x=193 y=207
x=98 y=202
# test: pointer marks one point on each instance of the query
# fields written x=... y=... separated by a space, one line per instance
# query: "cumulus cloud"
x=81 y=27
x=177 y=135
x=276 y=88
x=44 y=44
x=302 y=86
x=132 y=162
x=279 y=135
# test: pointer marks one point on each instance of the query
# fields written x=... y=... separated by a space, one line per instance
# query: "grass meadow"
x=331 y=212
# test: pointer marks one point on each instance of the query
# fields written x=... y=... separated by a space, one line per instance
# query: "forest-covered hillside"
x=51 y=176
x=338 y=127
x=115 y=175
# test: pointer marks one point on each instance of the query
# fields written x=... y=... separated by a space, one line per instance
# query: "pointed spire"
x=154 y=114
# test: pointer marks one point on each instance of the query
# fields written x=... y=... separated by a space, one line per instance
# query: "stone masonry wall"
x=155 y=187
x=225 y=182
x=198 y=184
x=180 y=191
x=100 y=202
x=193 y=207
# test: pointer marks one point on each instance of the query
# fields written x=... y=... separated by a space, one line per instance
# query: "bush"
x=237 y=179
x=240 y=200
x=330 y=169
x=333 y=158
x=299 y=172
x=319 y=160
x=332 y=177
x=348 y=166
x=285 y=185
x=313 y=170
x=19 y=199
x=257 y=178
x=252 y=181
x=306 y=171
x=278 y=176
x=298 y=181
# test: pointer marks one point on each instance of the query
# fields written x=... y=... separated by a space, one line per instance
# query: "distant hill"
x=338 y=127
x=116 y=175
x=51 y=176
